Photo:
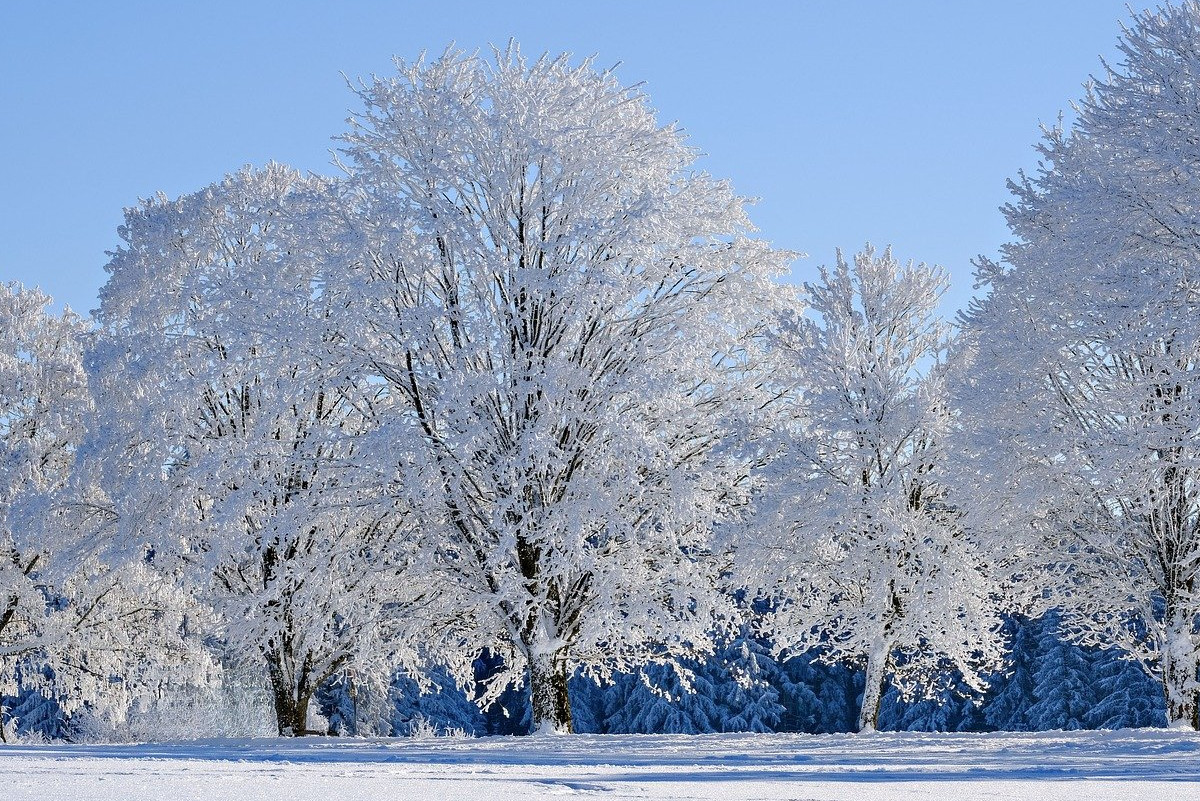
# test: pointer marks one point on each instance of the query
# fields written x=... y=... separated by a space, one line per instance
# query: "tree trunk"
x=291 y=712
x=290 y=695
x=1179 y=680
x=878 y=661
x=548 y=693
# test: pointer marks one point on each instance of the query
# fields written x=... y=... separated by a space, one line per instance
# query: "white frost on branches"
x=1085 y=386
x=558 y=304
x=862 y=549
x=233 y=435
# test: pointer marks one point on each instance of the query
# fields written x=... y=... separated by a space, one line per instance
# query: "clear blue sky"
x=895 y=122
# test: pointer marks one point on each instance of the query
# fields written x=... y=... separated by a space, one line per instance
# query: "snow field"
x=1146 y=764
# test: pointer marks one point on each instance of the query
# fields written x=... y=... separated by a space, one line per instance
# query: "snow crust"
x=1159 y=764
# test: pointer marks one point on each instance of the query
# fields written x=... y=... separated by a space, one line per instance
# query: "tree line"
x=522 y=384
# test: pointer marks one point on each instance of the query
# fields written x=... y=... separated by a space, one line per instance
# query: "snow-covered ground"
x=1145 y=764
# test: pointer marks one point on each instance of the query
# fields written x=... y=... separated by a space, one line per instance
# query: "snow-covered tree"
x=1063 y=695
x=44 y=404
x=1050 y=682
x=1084 y=388
x=663 y=699
x=947 y=710
x=74 y=627
x=745 y=678
x=1126 y=697
x=558 y=304
x=861 y=546
x=436 y=705
x=818 y=696
x=508 y=712
x=33 y=713
x=1007 y=708
x=230 y=433
x=587 y=704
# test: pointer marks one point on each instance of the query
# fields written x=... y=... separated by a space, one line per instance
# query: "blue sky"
x=894 y=122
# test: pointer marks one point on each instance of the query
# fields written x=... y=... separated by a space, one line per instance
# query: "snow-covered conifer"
x=587 y=704
x=1126 y=697
x=745 y=678
x=663 y=699
x=436 y=704
x=818 y=696
x=1063 y=692
x=1011 y=694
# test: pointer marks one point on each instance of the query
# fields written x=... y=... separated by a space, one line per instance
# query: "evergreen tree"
x=1063 y=691
x=335 y=697
x=947 y=710
x=587 y=704
x=509 y=712
x=35 y=712
x=1127 y=697
x=745 y=679
x=801 y=707
x=818 y=697
x=656 y=700
x=1007 y=705
x=441 y=706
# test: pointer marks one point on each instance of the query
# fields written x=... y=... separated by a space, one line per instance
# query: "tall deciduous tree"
x=1085 y=386
x=44 y=406
x=66 y=615
x=558 y=304
x=862 y=548
x=233 y=434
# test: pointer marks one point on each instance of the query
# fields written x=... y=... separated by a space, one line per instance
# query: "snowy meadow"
x=512 y=425
x=1104 y=766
